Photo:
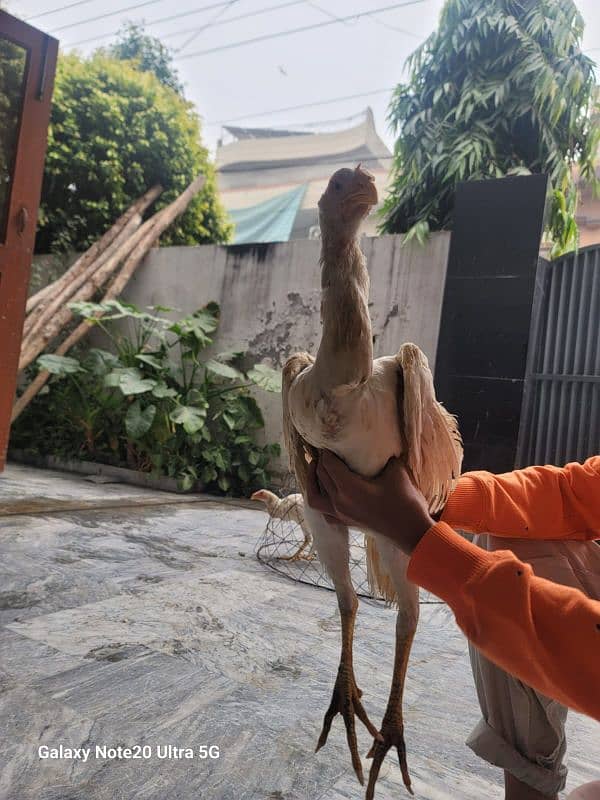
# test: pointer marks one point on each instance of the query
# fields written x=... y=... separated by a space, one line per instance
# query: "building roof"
x=261 y=133
x=261 y=165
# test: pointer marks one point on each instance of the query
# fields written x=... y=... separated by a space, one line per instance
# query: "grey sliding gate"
x=560 y=419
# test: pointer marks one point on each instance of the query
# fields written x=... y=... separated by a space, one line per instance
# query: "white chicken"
x=289 y=508
x=366 y=412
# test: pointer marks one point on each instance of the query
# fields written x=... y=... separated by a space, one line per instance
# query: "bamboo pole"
x=90 y=255
x=34 y=346
x=45 y=312
x=152 y=230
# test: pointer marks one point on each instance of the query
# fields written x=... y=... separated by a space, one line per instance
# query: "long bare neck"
x=345 y=356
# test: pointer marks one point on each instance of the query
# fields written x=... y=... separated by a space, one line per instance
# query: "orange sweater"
x=545 y=634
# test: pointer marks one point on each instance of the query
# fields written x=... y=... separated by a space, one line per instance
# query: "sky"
x=361 y=55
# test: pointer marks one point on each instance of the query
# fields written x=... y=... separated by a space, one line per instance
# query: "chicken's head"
x=350 y=195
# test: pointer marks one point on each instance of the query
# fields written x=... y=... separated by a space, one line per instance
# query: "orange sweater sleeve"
x=545 y=634
x=532 y=503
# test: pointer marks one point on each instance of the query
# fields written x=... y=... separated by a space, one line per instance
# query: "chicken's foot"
x=392 y=727
x=346 y=697
x=299 y=554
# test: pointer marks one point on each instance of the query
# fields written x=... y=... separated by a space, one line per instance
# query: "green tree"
x=116 y=131
x=148 y=53
x=502 y=87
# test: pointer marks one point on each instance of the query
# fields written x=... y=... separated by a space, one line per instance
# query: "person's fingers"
x=348 y=483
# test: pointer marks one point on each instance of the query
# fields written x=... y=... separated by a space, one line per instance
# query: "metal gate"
x=560 y=419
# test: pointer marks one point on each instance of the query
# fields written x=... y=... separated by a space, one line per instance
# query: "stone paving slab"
x=151 y=623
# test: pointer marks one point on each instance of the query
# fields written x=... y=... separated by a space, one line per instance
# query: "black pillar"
x=486 y=314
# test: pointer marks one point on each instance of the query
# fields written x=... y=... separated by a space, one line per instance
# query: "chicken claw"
x=346 y=701
x=392 y=735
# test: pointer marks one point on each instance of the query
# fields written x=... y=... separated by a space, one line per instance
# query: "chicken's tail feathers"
x=433 y=443
x=379 y=581
x=299 y=451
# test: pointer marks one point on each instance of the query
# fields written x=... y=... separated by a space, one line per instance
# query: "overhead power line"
x=372 y=19
x=105 y=16
x=56 y=10
x=247 y=15
x=171 y=17
x=211 y=22
x=218 y=22
x=395 y=28
x=303 y=105
x=301 y=29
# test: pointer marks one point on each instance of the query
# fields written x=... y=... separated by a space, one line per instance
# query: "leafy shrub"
x=151 y=403
x=115 y=131
x=502 y=87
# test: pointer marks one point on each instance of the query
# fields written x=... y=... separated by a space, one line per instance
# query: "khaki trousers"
x=522 y=731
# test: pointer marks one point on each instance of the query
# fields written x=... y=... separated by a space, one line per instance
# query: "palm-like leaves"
x=501 y=87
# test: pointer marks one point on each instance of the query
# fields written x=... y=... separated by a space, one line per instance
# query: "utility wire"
x=105 y=16
x=303 y=105
x=256 y=13
x=56 y=10
x=302 y=29
x=380 y=22
x=212 y=21
x=395 y=28
x=169 y=19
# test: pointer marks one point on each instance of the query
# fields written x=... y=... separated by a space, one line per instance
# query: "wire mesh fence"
x=286 y=546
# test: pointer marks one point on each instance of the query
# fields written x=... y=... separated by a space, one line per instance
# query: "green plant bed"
x=152 y=403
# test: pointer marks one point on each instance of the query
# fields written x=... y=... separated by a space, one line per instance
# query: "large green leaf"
x=197 y=325
x=59 y=365
x=152 y=360
x=161 y=390
x=191 y=417
x=266 y=377
x=252 y=417
x=223 y=370
x=129 y=380
x=100 y=361
x=138 y=420
x=110 y=309
x=229 y=355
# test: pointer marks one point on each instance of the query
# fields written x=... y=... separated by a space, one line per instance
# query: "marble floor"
x=135 y=618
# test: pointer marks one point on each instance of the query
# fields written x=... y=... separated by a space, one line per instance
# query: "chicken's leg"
x=392 y=727
x=333 y=550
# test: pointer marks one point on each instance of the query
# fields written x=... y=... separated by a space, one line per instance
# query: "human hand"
x=389 y=504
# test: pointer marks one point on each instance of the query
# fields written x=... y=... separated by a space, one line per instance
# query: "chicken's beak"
x=257 y=495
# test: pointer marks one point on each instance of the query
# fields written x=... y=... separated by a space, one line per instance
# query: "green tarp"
x=269 y=221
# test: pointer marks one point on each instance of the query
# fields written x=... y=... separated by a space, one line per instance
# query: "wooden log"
x=90 y=255
x=33 y=346
x=45 y=312
x=152 y=230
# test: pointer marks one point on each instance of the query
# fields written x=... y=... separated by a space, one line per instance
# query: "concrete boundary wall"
x=270 y=296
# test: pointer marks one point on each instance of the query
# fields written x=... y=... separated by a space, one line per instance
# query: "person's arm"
x=543 y=633
x=531 y=503
x=547 y=635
